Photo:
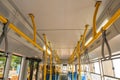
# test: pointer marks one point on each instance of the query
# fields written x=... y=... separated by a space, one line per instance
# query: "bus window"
x=85 y=68
x=110 y=78
x=92 y=67
x=116 y=64
x=28 y=70
x=108 y=68
x=95 y=76
x=2 y=66
x=15 y=67
x=97 y=67
x=41 y=70
x=34 y=70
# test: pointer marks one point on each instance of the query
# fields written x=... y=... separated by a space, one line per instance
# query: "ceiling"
x=62 y=21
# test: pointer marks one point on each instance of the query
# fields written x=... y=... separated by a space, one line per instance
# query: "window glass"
x=64 y=69
x=109 y=78
x=116 y=64
x=2 y=66
x=88 y=75
x=95 y=77
x=34 y=71
x=97 y=67
x=32 y=68
x=107 y=68
x=28 y=70
x=41 y=70
x=92 y=67
x=86 y=68
x=81 y=67
x=15 y=67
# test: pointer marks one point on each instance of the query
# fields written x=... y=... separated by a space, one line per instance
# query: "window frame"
x=20 y=63
x=5 y=63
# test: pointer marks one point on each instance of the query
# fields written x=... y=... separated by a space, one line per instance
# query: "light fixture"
x=44 y=47
x=48 y=51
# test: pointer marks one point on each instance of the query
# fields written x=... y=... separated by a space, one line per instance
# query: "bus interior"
x=59 y=40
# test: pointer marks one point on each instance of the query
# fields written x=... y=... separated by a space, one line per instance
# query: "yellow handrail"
x=45 y=56
x=84 y=35
x=14 y=28
x=97 y=35
x=82 y=40
x=94 y=17
x=50 y=62
x=105 y=27
x=56 y=57
x=34 y=26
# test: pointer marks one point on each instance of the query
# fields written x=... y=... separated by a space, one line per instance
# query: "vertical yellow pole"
x=45 y=62
x=79 y=69
x=94 y=17
x=55 y=72
x=50 y=62
x=84 y=35
x=78 y=52
x=51 y=67
x=72 y=72
x=79 y=42
x=34 y=26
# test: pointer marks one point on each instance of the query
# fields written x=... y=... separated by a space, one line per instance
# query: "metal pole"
x=51 y=67
x=79 y=69
x=50 y=62
x=22 y=69
x=55 y=72
x=25 y=70
x=84 y=35
x=45 y=56
x=7 y=67
x=34 y=26
x=14 y=28
x=72 y=72
x=94 y=17
x=31 y=69
x=37 y=71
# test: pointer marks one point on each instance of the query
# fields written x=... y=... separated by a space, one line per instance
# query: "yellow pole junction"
x=3 y=20
x=72 y=56
x=84 y=35
x=50 y=61
x=107 y=25
x=14 y=28
x=57 y=59
x=34 y=26
x=48 y=45
x=115 y=17
x=79 y=64
x=45 y=56
x=94 y=17
x=82 y=40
